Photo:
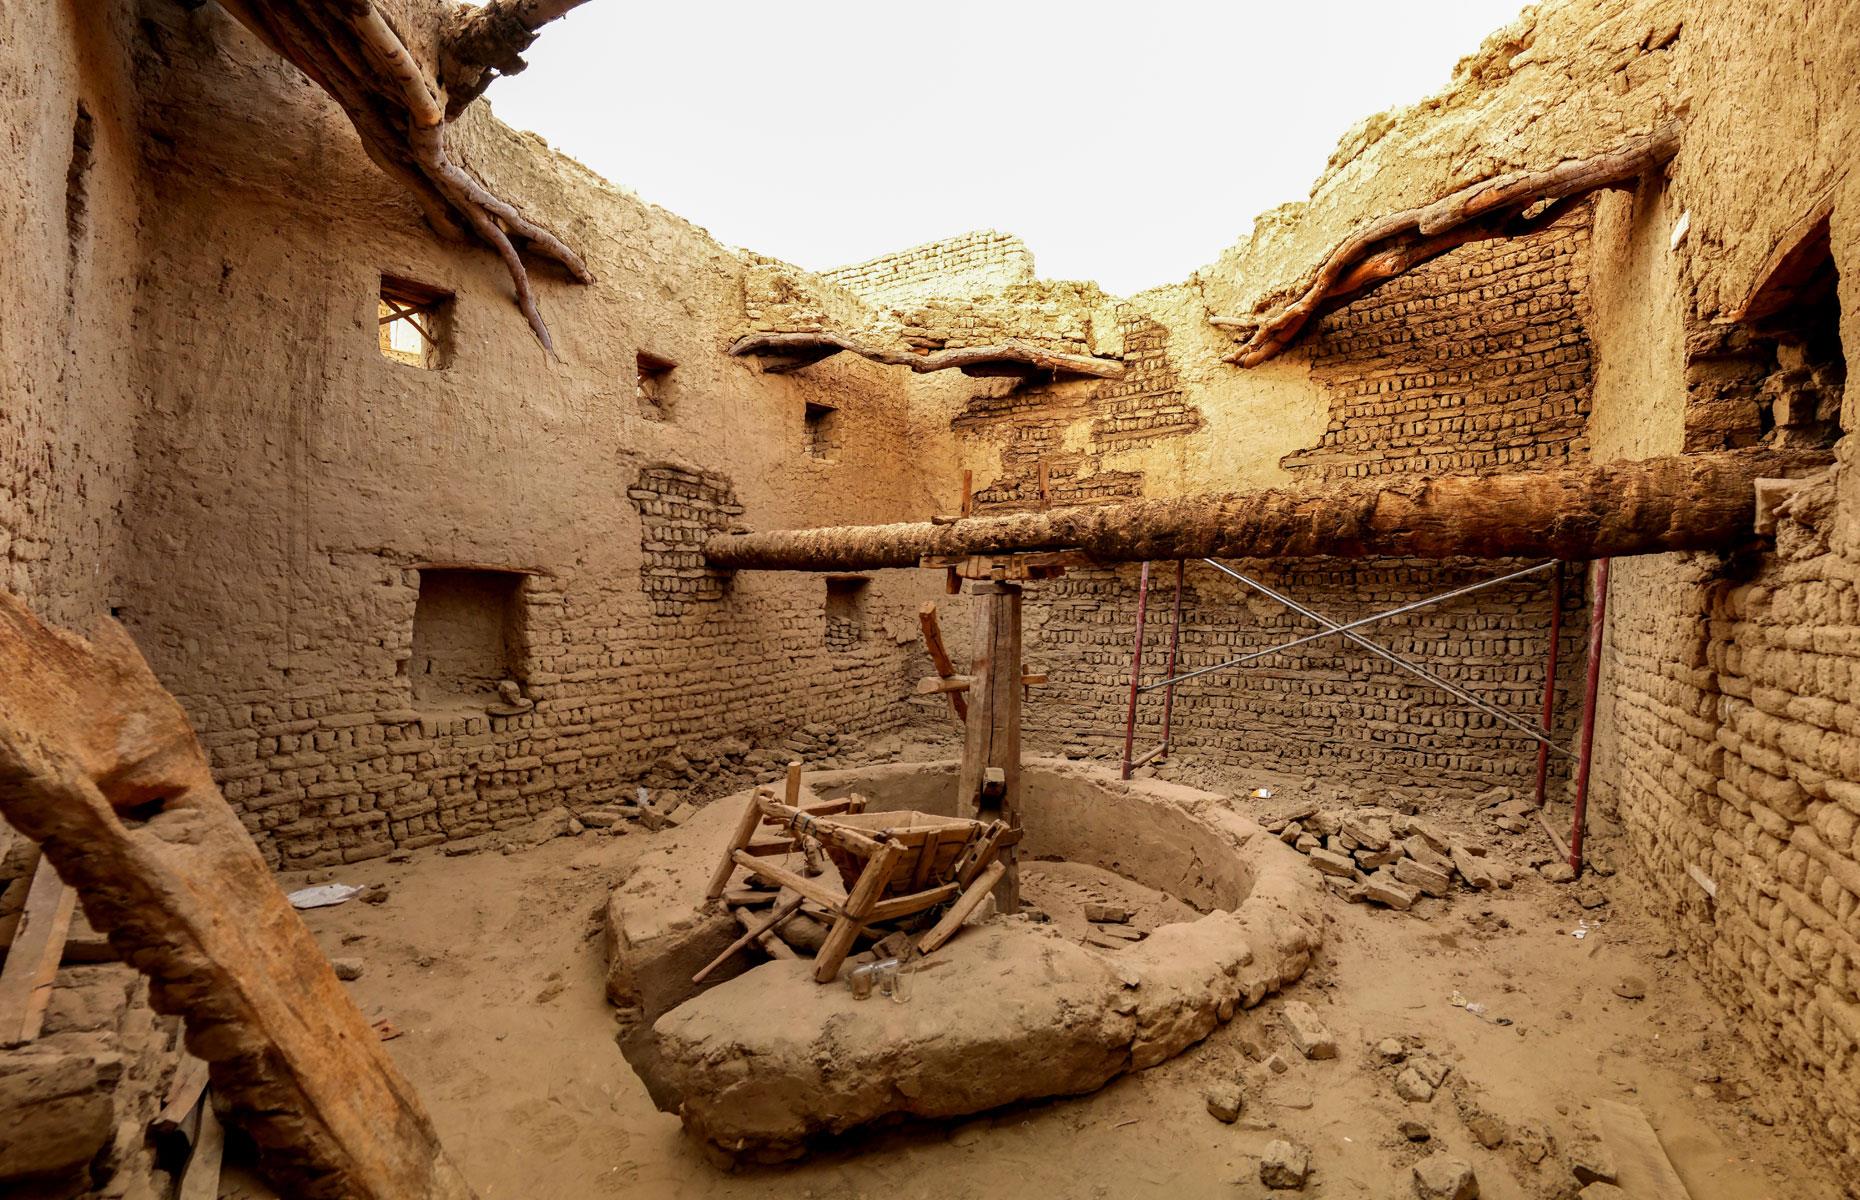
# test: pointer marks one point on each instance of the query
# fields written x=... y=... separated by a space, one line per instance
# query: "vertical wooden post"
x=989 y=787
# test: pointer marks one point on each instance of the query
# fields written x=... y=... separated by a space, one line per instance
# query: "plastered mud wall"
x=1730 y=740
x=306 y=483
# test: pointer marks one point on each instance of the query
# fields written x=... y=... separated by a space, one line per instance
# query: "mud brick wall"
x=1476 y=361
x=1324 y=710
x=1739 y=735
x=679 y=510
x=970 y=264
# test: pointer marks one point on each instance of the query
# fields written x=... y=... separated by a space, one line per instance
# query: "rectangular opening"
x=467 y=637
x=822 y=430
x=655 y=385
x=845 y=610
x=414 y=321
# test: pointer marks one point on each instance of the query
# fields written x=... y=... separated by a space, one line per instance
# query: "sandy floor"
x=491 y=964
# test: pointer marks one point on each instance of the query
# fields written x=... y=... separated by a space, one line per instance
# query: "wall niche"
x=467 y=637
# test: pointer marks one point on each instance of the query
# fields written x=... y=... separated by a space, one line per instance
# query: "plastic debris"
x=325 y=895
x=1262 y=793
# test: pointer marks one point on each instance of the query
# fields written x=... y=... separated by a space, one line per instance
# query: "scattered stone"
x=1413 y=1087
x=1277 y=1065
x=1225 y=1102
x=1420 y=851
x=1631 y=987
x=1590 y=898
x=1424 y=877
x=1414 y=1131
x=1332 y=863
x=1285 y=1166
x=1440 y=1176
x=550 y=991
x=1324 y=823
x=463 y=847
x=1348 y=889
x=1110 y=914
x=600 y=818
x=1290 y=832
x=1306 y=844
x=1383 y=888
x=1471 y=869
x=376 y=894
x=1432 y=1069
x=681 y=814
x=1512 y=824
x=401 y=856
x=1435 y=840
x=1390 y=1050
x=1366 y=834
x=1370 y=860
x=1487 y=1130
x=347 y=968
x=1592 y=1163
x=1312 y=1037
x=1558 y=872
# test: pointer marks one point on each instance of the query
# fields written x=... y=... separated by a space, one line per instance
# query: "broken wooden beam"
x=789 y=346
x=99 y=765
x=1503 y=206
x=32 y=961
x=939 y=653
x=1645 y=506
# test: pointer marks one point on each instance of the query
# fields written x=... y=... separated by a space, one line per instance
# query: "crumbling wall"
x=969 y=264
x=300 y=482
x=1727 y=736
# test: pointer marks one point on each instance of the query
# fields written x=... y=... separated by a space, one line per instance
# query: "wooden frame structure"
x=892 y=865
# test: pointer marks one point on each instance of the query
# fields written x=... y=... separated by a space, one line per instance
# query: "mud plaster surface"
x=492 y=965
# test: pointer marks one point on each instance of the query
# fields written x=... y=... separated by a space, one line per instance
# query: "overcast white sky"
x=1127 y=143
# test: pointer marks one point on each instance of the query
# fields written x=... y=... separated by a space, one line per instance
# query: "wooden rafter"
x=1502 y=207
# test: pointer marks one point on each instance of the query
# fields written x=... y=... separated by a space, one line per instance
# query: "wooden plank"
x=32 y=962
x=939 y=655
x=856 y=912
x=201 y=1180
x=184 y=1092
x=745 y=829
x=811 y=889
x=1645 y=1171
x=935 y=685
x=771 y=945
x=959 y=912
x=904 y=906
x=782 y=913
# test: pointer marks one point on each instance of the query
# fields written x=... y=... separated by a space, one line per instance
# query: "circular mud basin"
x=1151 y=912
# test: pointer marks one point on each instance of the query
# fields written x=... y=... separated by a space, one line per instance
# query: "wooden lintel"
x=32 y=963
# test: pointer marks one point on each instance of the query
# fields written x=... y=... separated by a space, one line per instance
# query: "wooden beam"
x=32 y=962
x=201 y=1179
x=1013 y=350
x=991 y=742
x=89 y=737
x=939 y=656
x=1615 y=509
x=959 y=912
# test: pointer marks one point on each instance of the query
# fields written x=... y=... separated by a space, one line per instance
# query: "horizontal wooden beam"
x=1646 y=506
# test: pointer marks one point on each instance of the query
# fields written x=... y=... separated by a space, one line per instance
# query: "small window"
x=655 y=386
x=822 y=430
x=415 y=323
x=467 y=637
x=845 y=611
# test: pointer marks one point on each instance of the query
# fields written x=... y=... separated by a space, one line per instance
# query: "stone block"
x=1308 y=1033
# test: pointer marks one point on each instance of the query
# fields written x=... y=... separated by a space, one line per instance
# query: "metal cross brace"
x=1348 y=631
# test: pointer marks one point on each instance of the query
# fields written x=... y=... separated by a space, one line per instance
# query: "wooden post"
x=989 y=787
x=939 y=657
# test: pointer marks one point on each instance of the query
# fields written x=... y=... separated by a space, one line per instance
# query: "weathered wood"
x=992 y=735
x=771 y=945
x=967 y=903
x=891 y=908
x=739 y=840
x=1617 y=509
x=766 y=926
x=32 y=961
x=201 y=1179
x=87 y=737
x=966 y=358
x=1412 y=236
x=855 y=913
x=817 y=892
x=939 y=653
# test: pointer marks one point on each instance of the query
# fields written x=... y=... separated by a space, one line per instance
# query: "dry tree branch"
x=402 y=107
x=1504 y=206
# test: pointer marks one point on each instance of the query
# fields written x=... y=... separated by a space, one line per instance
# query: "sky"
x=1127 y=143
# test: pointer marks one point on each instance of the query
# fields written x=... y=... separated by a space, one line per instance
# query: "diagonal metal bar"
x=1409 y=607
x=1415 y=669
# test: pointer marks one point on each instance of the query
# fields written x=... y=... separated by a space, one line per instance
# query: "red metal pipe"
x=1175 y=637
x=1136 y=666
x=1556 y=636
x=1598 y=614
